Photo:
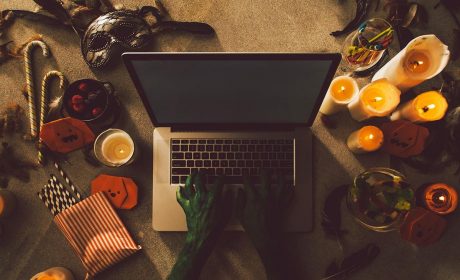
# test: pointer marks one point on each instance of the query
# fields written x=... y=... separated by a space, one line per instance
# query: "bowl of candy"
x=87 y=99
x=379 y=198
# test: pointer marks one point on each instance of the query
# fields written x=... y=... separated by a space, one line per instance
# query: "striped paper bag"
x=96 y=233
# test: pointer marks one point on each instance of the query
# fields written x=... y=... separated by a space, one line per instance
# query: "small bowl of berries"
x=88 y=99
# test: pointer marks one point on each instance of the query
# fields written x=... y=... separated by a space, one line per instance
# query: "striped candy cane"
x=44 y=104
x=30 y=81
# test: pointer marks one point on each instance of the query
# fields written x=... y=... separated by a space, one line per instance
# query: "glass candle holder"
x=363 y=48
x=380 y=198
x=114 y=148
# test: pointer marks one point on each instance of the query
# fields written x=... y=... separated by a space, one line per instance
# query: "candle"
x=441 y=198
x=423 y=58
x=114 y=147
x=54 y=273
x=366 y=139
x=339 y=94
x=426 y=107
x=377 y=99
x=7 y=203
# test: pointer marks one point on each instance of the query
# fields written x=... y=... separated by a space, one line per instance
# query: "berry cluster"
x=87 y=101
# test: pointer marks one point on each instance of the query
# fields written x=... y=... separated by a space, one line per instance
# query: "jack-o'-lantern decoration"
x=121 y=191
x=422 y=227
x=440 y=198
x=66 y=135
x=404 y=139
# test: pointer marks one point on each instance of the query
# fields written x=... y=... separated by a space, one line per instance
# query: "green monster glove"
x=207 y=212
x=261 y=211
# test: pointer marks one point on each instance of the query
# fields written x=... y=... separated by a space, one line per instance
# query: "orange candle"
x=441 y=198
x=7 y=203
x=426 y=107
x=54 y=273
x=367 y=139
x=377 y=99
x=339 y=94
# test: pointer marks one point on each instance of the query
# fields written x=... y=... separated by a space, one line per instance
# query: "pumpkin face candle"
x=339 y=94
x=377 y=99
x=441 y=198
x=366 y=139
x=426 y=107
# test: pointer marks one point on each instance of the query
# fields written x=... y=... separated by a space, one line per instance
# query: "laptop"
x=231 y=114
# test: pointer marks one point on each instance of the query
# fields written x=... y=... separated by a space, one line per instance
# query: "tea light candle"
x=423 y=58
x=377 y=99
x=54 y=273
x=7 y=203
x=117 y=147
x=426 y=107
x=339 y=94
x=367 y=139
x=441 y=198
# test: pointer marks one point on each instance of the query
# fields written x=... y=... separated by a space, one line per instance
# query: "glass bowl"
x=379 y=198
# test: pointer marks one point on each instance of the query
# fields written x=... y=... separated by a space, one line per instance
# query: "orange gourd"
x=121 y=191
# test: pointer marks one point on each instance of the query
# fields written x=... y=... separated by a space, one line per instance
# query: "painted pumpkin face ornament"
x=404 y=139
x=66 y=135
x=121 y=191
x=422 y=227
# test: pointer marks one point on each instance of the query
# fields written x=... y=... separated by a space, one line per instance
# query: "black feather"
x=55 y=8
x=331 y=218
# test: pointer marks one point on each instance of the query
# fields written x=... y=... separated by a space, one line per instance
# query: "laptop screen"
x=232 y=88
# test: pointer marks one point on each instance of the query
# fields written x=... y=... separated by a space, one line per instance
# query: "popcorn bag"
x=96 y=233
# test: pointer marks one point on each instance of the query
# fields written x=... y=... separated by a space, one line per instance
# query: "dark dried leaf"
x=331 y=216
x=360 y=15
x=55 y=8
x=352 y=263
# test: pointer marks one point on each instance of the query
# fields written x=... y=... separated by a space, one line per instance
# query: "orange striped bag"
x=96 y=233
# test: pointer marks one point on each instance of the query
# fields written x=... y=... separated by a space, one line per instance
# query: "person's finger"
x=189 y=185
x=198 y=183
x=215 y=192
x=184 y=203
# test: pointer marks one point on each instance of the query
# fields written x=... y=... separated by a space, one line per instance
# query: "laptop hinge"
x=249 y=128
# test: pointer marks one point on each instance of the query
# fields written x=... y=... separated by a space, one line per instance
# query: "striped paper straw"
x=68 y=181
x=66 y=197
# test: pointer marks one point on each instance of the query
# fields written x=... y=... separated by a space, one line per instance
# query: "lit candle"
x=7 y=203
x=114 y=147
x=377 y=99
x=339 y=94
x=426 y=107
x=366 y=139
x=54 y=273
x=441 y=198
x=423 y=58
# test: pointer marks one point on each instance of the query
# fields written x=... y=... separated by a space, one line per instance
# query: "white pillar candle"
x=339 y=94
x=426 y=107
x=377 y=99
x=54 y=273
x=423 y=58
x=367 y=139
x=114 y=147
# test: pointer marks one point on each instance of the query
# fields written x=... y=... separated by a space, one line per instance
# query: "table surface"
x=32 y=243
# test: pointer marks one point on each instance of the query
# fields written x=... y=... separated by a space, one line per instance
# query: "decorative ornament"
x=403 y=138
x=66 y=135
x=121 y=191
x=422 y=227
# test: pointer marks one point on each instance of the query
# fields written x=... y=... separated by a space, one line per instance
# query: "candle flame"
x=378 y=98
x=342 y=88
x=428 y=107
x=371 y=136
x=442 y=198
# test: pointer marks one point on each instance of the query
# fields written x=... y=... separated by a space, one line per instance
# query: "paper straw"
x=68 y=181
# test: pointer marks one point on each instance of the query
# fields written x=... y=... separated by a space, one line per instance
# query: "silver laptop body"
x=206 y=112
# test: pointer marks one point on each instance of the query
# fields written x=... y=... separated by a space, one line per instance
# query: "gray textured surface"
x=32 y=242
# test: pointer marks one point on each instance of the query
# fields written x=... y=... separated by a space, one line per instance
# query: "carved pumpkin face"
x=66 y=135
x=121 y=191
x=422 y=227
x=404 y=139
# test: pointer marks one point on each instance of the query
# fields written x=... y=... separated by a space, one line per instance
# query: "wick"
x=429 y=107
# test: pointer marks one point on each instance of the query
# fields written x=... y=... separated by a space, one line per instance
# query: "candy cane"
x=44 y=101
x=30 y=81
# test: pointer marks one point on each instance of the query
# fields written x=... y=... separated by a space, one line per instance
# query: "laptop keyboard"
x=233 y=158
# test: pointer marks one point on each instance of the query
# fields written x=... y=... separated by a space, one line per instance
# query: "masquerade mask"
x=111 y=33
